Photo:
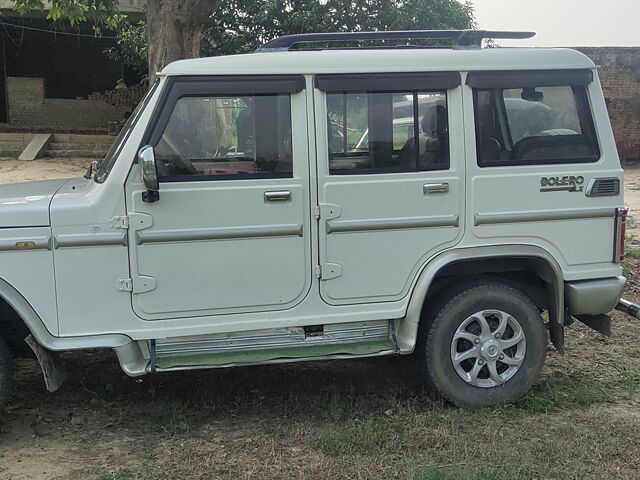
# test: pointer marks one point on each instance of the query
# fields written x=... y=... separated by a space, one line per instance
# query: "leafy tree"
x=131 y=47
x=176 y=29
x=241 y=26
x=173 y=27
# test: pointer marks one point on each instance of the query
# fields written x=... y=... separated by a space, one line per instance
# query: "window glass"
x=227 y=137
x=525 y=126
x=105 y=166
x=375 y=132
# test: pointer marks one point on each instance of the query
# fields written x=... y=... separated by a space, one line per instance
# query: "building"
x=620 y=77
x=54 y=75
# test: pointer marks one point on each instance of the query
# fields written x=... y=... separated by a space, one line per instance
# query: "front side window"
x=227 y=137
x=378 y=132
x=534 y=125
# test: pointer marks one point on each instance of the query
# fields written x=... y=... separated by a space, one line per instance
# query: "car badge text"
x=560 y=184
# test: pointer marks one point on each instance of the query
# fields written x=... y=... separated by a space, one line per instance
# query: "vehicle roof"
x=382 y=60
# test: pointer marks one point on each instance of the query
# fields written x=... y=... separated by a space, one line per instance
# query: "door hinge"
x=120 y=223
x=124 y=285
x=142 y=284
x=329 y=211
x=327 y=271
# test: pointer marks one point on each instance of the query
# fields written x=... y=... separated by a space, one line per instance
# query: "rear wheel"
x=6 y=373
x=486 y=345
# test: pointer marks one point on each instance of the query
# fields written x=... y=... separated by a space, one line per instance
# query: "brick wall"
x=620 y=78
x=28 y=108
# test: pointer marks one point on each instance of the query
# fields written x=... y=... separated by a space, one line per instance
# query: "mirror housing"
x=147 y=160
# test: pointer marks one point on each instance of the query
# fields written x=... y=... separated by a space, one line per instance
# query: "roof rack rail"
x=461 y=39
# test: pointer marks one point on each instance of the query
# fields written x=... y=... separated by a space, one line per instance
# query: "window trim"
x=592 y=132
x=387 y=82
x=508 y=79
x=218 y=86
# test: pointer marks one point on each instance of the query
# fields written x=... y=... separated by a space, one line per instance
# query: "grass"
x=556 y=394
x=631 y=252
x=120 y=475
x=630 y=381
x=357 y=436
x=466 y=472
x=365 y=419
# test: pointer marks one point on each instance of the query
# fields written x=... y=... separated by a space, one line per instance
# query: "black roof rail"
x=461 y=39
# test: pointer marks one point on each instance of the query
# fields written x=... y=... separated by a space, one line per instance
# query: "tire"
x=6 y=373
x=465 y=357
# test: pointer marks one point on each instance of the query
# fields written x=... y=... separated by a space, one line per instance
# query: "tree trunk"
x=174 y=30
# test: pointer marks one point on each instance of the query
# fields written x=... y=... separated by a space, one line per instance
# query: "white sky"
x=567 y=23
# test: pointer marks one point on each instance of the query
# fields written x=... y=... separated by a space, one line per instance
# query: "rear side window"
x=387 y=122
x=378 y=132
x=533 y=125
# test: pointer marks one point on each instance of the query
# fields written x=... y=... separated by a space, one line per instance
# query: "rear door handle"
x=277 y=196
x=429 y=188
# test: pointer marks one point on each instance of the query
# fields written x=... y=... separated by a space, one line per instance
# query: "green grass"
x=630 y=381
x=631 y=252
x=357 y=436
x=119 y=475
x=555 y=394
x=469 y=472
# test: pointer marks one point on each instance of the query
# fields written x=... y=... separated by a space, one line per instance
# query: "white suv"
x=299 y=204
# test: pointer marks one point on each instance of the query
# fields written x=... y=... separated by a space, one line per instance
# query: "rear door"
x=230 y=231
x=390 y=180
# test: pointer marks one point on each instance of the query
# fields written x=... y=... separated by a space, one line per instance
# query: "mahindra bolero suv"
x=306 y=202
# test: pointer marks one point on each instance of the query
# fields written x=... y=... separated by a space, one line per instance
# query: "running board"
x=275 y=355
x=279 y=345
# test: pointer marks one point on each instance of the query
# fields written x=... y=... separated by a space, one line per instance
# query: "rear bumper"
x=593 y=297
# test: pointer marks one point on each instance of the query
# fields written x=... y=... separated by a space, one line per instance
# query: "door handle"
x=277 y=196
x=429 y=188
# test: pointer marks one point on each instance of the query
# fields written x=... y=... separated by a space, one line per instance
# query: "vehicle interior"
x=521 y=125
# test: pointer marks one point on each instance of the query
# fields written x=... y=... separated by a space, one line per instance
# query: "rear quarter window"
x=534 y=125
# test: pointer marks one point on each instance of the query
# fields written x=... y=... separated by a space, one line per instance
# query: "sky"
x=566 y=23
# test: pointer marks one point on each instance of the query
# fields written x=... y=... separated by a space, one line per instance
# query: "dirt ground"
x=357 y=419
x=20 y=171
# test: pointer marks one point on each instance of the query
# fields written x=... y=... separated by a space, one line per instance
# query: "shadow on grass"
x=352 y=396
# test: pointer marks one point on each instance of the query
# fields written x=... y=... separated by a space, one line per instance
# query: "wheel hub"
x=488 y=348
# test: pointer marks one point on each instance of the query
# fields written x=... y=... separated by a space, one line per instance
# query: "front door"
x=390 y=175
x=230 y=231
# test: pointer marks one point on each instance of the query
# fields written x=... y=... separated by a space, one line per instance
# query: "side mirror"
x=147 y=161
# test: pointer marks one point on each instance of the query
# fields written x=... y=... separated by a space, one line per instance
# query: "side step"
x=258 y=356
x=279 y=345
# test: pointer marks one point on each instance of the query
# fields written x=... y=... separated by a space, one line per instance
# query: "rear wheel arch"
x=529 y=269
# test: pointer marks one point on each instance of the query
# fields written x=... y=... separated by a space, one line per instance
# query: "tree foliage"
x=241 y=26
x=73 y=10
x=132 y=47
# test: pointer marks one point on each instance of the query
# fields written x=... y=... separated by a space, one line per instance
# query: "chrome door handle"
x=429 y=188
x=277 y=196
